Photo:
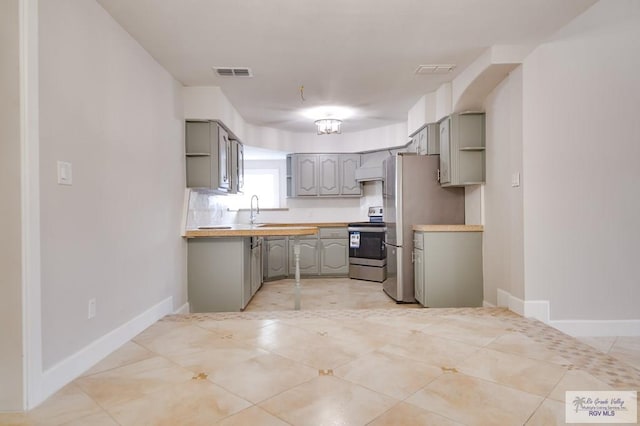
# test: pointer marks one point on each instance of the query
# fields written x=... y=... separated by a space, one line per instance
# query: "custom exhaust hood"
x=369 y=172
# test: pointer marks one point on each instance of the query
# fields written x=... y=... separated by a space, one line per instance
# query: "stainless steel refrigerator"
x=412 y=195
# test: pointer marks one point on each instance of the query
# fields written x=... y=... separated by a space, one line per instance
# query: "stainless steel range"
x=367 y=253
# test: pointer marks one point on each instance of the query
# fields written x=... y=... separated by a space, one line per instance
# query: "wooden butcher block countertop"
x=242 y=230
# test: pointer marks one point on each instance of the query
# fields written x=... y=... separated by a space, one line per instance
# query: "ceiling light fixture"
x=328 y=126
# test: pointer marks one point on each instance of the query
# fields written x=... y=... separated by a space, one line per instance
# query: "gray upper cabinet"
x=329 y=174
x=425 y=140
x=348 y=165
x=224 y=156
x=306 y=168
x=214 y=161
x=322 y=175
x=237 y=165
x=462 y=149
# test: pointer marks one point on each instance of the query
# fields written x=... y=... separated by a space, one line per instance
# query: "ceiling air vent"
x=233 y=71
x=434 y=69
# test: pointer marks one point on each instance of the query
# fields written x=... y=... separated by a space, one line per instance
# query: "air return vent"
x=434 y=69
x=233 y=71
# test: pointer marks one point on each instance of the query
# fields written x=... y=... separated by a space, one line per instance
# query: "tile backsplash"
x=206 y=209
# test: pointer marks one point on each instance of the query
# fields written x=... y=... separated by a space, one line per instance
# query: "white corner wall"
x=116 y=115
x=581 y=146
x=503 y=208
x=11 y=355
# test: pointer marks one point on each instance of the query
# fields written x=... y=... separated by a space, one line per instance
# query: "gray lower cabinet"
x=308 y=256
x=418 y=267
x=448 y=269
x=325 y=254
x=275 y=258
x=257 y=243
x=334 y=256
x=219 y=274
x=334 y=251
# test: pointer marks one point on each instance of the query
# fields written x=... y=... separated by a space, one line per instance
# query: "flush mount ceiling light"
x=328 y=126
x=328 y=119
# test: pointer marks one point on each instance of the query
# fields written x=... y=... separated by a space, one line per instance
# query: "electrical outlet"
x=92 y=308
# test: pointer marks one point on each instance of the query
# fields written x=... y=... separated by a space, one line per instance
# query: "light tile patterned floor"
x=386 y=364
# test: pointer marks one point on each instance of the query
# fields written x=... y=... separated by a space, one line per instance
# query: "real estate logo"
x=601 y=406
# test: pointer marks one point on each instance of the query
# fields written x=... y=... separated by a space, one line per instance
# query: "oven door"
x=367 y=243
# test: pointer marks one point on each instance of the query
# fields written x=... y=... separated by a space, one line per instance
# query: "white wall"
x=11 y=365
x=581 y=145
x=108 y=108
x=210 y=103
x=503 y=210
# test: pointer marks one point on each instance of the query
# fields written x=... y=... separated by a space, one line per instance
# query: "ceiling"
x=360 y=54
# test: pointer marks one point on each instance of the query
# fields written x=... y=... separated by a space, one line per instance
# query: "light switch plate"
x=65 y=173
x=515 y=179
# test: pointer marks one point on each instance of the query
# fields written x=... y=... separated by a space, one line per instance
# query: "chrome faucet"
x=252 y=215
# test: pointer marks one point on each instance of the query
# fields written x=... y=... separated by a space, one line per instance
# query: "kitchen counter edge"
x=448 y=228
x=259 y=231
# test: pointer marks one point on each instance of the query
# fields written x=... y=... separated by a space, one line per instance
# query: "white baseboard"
x=506 y=300
x=184 y=309
x=541 y=310
x=71 y=367
x=503 y=298
x=538 y=309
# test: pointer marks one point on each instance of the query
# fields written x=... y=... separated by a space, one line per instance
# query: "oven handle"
x=367 y=229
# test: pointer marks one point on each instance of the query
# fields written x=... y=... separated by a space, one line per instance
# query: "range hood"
x=369 y=172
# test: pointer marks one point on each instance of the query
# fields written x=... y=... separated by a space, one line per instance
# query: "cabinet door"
x=218 y=274
x=432 y=144
x=224 y=159
x=418 y=274
x=237 y=161
x=308 y=257
x=334 y=256
x=348 y=183
x=199 y=156
x=421 y=143
x=306 y=174
x=276 y=258
x=197 y=138
x=329 y=175
x=445 y=151
x=256 y=268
